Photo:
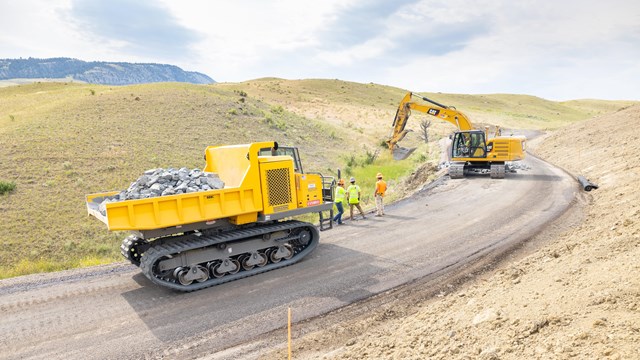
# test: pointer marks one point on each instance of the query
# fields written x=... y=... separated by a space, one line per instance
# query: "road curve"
x=115 y=312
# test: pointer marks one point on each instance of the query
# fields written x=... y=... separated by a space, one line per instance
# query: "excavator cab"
x=469 y=144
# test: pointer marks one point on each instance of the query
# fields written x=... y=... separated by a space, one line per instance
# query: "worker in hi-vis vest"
x=381 y=188
x=353 y=197
x=339 y=200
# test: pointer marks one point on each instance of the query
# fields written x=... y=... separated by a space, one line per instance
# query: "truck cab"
x=286 y=151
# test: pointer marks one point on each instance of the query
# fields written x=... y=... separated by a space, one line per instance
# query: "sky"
x=554 y=49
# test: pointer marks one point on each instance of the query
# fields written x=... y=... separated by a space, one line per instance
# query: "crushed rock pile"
x=164 y=182
x=518 y=165
x=511 y=167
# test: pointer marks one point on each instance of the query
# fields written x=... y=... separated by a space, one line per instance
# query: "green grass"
x=7 y=187
x=26 y=267
x=63 y=140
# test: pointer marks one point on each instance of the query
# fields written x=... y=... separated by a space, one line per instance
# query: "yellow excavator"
x=471 y=150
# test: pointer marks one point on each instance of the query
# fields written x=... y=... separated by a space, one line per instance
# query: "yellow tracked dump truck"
x=471 y=150
x=194 y=240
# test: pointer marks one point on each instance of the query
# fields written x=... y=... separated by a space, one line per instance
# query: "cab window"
x=284 y=151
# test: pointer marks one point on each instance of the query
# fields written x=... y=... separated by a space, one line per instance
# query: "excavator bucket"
x=401 y=153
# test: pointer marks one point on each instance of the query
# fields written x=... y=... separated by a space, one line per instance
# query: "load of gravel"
x=164 y=182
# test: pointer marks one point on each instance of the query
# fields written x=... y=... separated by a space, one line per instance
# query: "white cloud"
x=240 y=37
x=29 y=29
x=560 y=50
x=370 y=49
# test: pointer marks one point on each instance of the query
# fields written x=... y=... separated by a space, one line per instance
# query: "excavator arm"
x=443 y=112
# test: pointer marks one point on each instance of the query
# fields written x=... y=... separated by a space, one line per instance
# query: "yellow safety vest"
x=340 y=193
x=353 y=194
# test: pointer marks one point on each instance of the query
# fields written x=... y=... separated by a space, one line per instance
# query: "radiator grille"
x=279 y=189
x=501 y=148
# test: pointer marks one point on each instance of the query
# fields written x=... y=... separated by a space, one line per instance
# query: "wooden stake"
x=289 y=332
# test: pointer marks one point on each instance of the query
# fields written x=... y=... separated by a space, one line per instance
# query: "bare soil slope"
x=576 y=297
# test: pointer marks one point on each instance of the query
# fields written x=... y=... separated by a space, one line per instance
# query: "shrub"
x=277 y=109
x=352 y=161
x=281 y=125
x=6 y=187
x=420 y=158
x=370 y=156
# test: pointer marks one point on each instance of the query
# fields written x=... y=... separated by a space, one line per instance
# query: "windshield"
x=284 y=151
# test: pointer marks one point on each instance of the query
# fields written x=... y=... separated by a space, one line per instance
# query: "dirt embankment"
x=577 y=297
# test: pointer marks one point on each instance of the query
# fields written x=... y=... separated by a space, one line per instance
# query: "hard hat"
x=341 y=182
x=379 y=176
x=352 y=179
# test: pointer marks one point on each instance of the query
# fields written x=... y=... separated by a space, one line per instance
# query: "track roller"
x=194 y=261
x=187 y=275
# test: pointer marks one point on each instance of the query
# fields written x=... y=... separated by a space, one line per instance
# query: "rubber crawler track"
x=171 y=246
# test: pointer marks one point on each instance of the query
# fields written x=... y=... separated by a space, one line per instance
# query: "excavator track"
x=196 y=261
x=456 y=170
x=497 y=171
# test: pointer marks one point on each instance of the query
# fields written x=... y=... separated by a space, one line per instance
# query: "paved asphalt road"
x=114 y=312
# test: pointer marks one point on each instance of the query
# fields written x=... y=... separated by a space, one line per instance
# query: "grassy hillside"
x=366 y=111
x=598 y=107
x=61 y=141
x=372 y=107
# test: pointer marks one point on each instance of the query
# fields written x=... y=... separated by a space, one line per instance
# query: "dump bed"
x=174 y=210
x=239 y=201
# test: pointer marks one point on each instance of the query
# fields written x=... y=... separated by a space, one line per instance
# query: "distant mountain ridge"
x=98 y=72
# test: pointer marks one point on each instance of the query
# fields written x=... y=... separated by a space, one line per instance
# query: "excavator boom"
x=443 y=112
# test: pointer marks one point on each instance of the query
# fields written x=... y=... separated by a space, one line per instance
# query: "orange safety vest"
x=381 y=187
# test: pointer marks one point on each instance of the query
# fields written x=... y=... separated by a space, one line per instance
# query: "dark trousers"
x=338 y=217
